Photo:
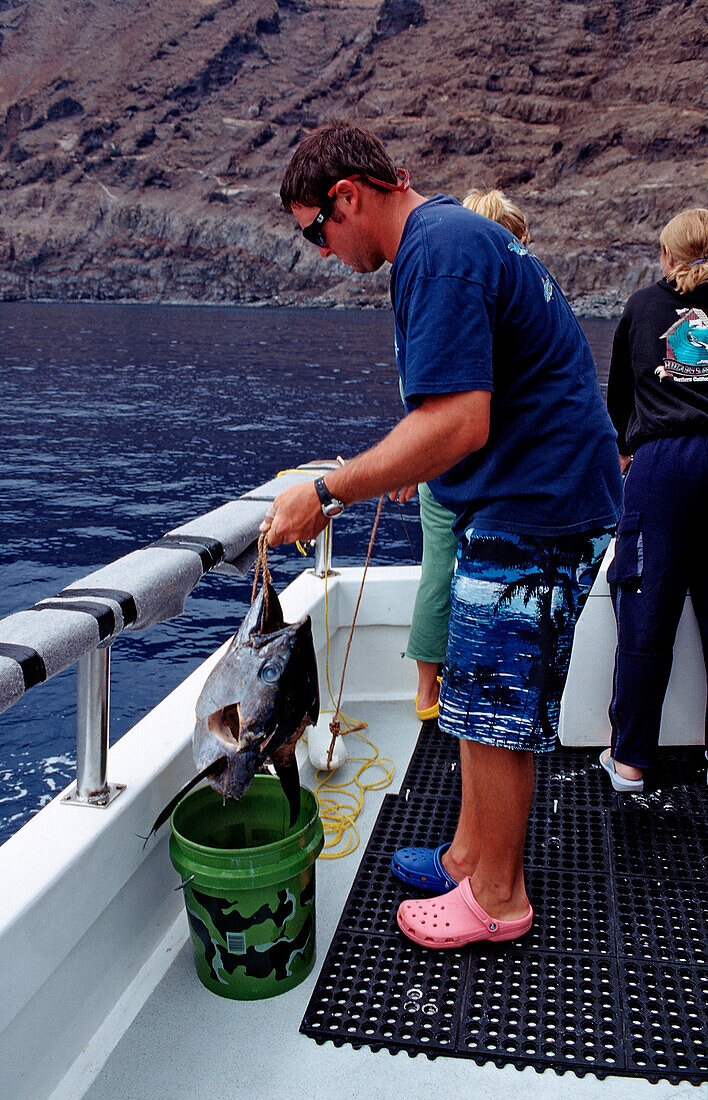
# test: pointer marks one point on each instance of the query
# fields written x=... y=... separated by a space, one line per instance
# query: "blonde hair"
x=686 y=238
x=498 y=208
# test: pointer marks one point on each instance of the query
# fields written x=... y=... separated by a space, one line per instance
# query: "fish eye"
x=270 y=673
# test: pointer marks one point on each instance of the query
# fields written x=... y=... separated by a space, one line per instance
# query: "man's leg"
x=462 y=856
x=491 y=903
x=502 y=785
x=497 y=792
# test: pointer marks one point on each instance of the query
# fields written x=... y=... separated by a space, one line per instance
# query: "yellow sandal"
x=426 y=713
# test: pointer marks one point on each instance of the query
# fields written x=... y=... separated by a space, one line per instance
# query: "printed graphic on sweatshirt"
x=686 y=355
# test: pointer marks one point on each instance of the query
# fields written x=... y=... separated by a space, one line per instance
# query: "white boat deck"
x=186 y=1041
x=100 y=996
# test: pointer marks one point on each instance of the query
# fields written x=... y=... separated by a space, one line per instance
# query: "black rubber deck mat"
x=611 y=979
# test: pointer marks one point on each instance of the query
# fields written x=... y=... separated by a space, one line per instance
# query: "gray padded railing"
x=145 y=587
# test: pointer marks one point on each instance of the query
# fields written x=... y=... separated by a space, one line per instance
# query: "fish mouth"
x=226 y=724
x=237 y=770
x=229 y=726
x=240 y=754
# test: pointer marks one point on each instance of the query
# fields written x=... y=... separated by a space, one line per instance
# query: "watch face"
x=335 y=508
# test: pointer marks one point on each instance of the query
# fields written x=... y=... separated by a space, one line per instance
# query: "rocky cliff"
x=142 y=142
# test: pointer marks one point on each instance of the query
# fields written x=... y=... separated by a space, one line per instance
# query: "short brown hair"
x=332 y=152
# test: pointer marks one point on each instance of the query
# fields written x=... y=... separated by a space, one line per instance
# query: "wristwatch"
x=331 y=507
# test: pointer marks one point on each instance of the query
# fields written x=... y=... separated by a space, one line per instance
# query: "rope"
x=335 y=724
x=414 y=556
x=262 y=564
x=339 y=816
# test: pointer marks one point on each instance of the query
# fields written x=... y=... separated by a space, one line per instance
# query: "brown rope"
x=335 y=724
x=262 y=564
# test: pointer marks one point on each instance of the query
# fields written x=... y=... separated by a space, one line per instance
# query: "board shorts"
x=515 y=600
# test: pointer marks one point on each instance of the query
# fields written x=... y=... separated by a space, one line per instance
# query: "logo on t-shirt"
x=521 y=250
x=686 y=356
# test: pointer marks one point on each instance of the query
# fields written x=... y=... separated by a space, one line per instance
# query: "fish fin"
x=311 y=680
x=211 y=769
x=274 y=619
x=285 y=764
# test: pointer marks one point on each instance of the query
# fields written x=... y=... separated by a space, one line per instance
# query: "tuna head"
x=257 y=701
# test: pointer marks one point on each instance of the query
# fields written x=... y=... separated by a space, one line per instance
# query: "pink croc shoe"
x=455 y=919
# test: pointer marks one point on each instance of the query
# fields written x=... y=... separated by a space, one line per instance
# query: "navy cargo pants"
x=660 y=555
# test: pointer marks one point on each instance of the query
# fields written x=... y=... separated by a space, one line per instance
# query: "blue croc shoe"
x=422 y=867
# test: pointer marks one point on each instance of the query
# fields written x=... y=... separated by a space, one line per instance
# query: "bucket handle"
x=182 y=885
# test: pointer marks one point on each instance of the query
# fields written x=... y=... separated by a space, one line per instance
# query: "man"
x=506 y=422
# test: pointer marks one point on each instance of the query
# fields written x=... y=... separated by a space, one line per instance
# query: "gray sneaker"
x=618 y=781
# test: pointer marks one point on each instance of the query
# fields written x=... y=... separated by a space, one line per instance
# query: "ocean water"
x=120 y=422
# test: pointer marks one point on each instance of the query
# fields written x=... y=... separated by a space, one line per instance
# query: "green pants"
x=427 y=640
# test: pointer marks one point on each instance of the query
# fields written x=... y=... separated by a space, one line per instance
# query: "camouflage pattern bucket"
x=249 y=887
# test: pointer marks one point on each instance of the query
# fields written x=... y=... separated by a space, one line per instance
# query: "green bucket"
x=249 y=887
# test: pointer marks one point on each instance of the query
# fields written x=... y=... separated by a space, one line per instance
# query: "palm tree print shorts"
x=515 y=600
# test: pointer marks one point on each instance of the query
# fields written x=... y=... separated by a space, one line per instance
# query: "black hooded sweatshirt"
x=658 y=384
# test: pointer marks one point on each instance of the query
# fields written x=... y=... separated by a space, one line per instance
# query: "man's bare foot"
x=457 y=868
x=500 y=904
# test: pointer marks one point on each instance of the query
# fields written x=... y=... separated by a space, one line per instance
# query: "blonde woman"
x=658 y=402
x=498 y=208
x=427 y=640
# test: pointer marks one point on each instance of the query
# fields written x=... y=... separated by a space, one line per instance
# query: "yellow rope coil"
x=339 y=817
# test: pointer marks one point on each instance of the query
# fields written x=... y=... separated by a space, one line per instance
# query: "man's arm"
x=432 y=438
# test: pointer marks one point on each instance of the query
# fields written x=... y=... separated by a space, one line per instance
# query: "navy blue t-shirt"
x=475 y=310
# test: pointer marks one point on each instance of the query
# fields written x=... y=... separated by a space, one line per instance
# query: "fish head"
x=259 y=696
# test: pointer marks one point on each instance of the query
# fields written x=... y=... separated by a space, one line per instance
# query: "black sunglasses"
x=314 y=233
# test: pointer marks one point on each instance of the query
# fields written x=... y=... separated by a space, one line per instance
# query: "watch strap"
x=322 y=491
x=330 y=505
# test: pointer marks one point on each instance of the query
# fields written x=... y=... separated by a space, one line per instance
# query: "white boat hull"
x=84 y=908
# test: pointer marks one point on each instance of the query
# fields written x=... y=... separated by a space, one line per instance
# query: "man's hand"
x=403 y=495
x=295 y=514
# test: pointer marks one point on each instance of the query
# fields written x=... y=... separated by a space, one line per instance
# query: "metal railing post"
x=323 y=552
x=92 y=710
